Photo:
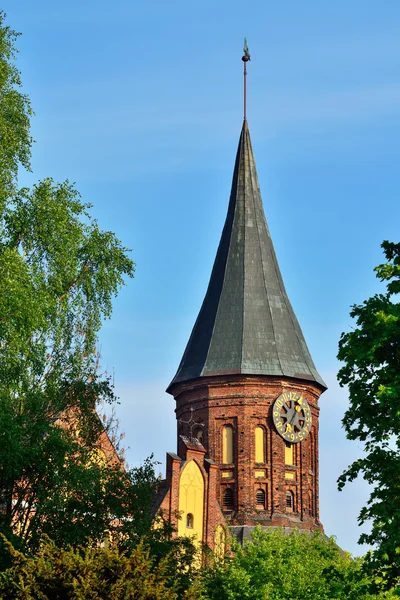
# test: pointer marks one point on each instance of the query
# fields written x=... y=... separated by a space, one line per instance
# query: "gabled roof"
x=246 y=324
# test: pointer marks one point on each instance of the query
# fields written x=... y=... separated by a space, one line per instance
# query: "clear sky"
x=140 y=103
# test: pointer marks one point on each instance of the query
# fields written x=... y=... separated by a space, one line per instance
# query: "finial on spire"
x=246 y=55
x=245 y=59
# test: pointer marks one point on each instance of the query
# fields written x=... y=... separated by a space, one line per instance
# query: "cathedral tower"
x=247 y=387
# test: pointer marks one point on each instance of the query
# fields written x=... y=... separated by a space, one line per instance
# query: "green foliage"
x=371 y=370
x=278 y=566
x=15 y=113
x=59 y=273
x=88 y=573
x=274 y=566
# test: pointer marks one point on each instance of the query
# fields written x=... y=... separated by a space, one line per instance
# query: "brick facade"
x=245 y=402
x=246 y=324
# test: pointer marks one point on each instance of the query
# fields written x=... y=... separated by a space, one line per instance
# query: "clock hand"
x=290 y=419
x=294 y=415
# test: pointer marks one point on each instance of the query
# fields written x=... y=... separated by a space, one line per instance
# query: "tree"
x=87 y=573
x=59 y=273
x=15 y=113
x=276 y=565
x=371 y=370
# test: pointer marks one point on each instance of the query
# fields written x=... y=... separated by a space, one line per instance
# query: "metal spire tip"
x=246 y=55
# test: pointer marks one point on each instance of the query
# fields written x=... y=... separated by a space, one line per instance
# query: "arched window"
x=227 y=499
x=191 y=501
x=189 y=521
x=227 y=445
x=260 y=498
x=259 y=435
x=288 y=453
x=289 y=501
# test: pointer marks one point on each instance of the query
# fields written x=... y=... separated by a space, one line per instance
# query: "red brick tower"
x=247 y=379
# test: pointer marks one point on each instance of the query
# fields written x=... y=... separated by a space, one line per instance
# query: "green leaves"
x=15 y=113
x=70 y=264
x=60 y=476
x=59 y=273
x=88 y=574
x=277 y=565
x=390 y=271
x=371 y=370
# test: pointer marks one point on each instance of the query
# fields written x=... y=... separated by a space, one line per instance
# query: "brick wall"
x=245 y=402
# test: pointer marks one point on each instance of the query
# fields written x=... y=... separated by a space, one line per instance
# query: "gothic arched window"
x=189 y=521
x=227 y=445
x=259 y=438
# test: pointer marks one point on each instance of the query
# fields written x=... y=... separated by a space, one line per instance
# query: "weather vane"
x=245 y=59
x=192 y=423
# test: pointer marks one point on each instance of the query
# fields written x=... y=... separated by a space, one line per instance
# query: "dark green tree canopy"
x=96 y=573
x=371 y=370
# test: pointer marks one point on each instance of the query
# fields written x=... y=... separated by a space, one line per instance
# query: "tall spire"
x=246 y=324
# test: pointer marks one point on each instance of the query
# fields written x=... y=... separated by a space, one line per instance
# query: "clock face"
x=292 y=416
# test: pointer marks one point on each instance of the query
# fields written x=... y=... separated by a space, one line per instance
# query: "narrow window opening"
x=288 y=453
x=259 y=435
x=189 y=521
x=289 y=501
x=260 y=498
x=227 y=499
x=227 y=445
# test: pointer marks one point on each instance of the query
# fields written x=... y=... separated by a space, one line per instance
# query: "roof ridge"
x=263 y=270
x=243 y=136
x=229 y=247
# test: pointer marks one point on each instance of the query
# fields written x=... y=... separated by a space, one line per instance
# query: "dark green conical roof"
x=246 y=323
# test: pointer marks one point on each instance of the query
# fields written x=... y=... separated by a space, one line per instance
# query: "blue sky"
x=140 y=103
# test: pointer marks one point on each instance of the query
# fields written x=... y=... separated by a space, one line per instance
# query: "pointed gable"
x=246 y=324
